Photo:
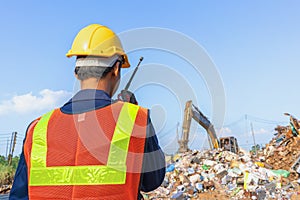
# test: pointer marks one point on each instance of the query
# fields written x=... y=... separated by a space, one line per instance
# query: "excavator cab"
x=229 y=144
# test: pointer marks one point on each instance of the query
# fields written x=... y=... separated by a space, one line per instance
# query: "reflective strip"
x=120 y=141
x=39 y=142
x=112 y=173
x=77 y=175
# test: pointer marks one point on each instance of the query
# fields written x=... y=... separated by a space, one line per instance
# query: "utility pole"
x=255 y=149
x=9 y=151
x=12 y=147
x=14 y=144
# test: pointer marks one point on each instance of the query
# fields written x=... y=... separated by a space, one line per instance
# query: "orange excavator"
x=192 y=112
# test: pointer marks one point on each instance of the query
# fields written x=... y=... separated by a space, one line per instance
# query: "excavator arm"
x=199 y=117
x=192 y=112
x=187 y=119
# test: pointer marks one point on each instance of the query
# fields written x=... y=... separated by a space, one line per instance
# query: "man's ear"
x=76 y=72
x=116 y=69
x=76 y=76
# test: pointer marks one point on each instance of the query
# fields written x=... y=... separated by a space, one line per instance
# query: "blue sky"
x=254 y=45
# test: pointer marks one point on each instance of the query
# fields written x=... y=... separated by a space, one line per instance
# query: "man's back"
x=94 y=106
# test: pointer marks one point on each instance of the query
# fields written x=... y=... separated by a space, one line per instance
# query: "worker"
x=227 y=146
x=92 y=147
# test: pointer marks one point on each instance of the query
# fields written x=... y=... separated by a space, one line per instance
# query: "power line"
x=6 y=134
x=266 y=121
x=6 y=154
x=241 y=119
x=256 y=119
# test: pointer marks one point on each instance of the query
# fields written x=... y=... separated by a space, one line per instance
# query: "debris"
x=199 y=187
x=272 y=173
x=226 y=175
x=296 y=165
x=283 y=150
x=281 y=172
x=170 y=168
x=177 y=196
x=5 y=189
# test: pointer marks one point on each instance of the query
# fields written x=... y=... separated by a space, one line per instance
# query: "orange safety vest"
x=92 y=155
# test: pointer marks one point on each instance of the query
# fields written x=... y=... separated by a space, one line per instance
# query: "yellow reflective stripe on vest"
x=112 y=173
x=120 y=141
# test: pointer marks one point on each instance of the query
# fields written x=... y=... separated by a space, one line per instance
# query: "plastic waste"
x=170 y=168
x=281 y=172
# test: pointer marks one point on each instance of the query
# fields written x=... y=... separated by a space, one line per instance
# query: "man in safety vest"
x=91 y=147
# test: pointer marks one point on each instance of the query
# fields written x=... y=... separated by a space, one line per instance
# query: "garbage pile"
x=270 y=173
x=5 y=189
x=217 y=174
x=283 y=152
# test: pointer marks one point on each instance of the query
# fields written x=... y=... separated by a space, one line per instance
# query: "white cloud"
x=224 y=131
x=261 y=131
x=29 y=103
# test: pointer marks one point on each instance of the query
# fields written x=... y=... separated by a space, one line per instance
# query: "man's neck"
x=93 y=83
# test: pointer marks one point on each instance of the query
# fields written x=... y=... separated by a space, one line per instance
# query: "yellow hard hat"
x=97 y=40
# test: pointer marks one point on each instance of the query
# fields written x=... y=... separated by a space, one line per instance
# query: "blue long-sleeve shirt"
x=153 y=171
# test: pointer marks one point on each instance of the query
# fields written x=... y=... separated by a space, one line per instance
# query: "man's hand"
x=127 y=96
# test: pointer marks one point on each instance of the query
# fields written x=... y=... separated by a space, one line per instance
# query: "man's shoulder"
x=33 y=124
x=35 y=121
x=118 y=102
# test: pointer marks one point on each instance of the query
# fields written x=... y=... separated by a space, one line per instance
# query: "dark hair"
x=85 y=72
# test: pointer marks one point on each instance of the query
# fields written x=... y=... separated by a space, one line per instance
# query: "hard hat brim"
x=126 y=63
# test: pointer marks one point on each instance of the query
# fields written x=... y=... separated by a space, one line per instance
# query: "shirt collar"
x=90 y=94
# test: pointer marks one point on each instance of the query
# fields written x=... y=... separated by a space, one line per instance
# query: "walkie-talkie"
x=125 y=94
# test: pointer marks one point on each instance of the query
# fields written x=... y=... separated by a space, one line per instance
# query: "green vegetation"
x=255 y=149
x=7 y=172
